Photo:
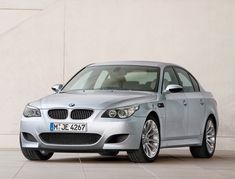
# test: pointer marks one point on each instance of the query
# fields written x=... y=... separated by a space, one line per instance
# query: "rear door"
x=196 y=106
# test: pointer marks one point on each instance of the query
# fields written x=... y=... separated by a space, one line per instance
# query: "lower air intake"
x=69 y=138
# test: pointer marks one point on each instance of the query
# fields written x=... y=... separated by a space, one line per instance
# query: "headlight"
x=121 y=113
x=31 y=111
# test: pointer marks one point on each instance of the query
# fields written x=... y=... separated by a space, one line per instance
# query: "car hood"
x=94 y=99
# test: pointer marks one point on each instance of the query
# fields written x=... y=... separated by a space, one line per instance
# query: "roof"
x=134 y=62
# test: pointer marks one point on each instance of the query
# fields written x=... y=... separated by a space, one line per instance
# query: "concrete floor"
x=170 y=164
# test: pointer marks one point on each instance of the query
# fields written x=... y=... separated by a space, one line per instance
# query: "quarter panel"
x=211 y=108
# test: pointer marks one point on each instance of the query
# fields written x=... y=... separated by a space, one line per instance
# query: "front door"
x=175 y=108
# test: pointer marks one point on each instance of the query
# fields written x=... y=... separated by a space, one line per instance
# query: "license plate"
x=78 y=127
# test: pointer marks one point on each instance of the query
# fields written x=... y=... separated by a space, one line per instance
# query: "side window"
x=195 y=84
x=169 y=77
x=185 y=80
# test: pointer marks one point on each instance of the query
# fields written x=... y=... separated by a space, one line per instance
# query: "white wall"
x=46 y=42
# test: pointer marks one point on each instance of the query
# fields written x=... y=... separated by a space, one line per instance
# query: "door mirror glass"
x=172 y=88
x=57 y=87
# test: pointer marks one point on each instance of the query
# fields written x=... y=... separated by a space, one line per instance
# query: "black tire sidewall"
x=109 y=153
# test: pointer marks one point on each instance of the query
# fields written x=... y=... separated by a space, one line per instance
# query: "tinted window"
x=169 y=78
x=195 y=84
x=185 y=80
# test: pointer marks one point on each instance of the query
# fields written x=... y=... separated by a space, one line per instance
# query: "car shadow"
x=92 y=159
x=162 y=158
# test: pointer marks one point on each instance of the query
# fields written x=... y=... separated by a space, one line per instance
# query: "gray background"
x=43 y=42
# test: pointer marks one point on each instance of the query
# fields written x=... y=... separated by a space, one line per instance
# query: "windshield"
x=118 y=77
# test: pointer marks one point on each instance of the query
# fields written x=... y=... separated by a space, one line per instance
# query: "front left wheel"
x=150 y=142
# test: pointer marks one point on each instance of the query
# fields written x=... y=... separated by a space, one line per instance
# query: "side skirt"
x=192 y=141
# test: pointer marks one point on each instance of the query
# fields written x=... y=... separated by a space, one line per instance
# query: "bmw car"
x=135 y=106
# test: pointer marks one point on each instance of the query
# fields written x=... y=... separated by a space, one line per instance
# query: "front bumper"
x=105 y=127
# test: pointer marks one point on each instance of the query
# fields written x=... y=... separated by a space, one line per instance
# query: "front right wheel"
x=209 y=142
x=109 y=153
x=33 y=154
x=150 y=142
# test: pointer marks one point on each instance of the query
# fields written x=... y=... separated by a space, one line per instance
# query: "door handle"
x=185 y=102
x=202 y=102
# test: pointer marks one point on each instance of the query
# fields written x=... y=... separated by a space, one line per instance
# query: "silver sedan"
x=133 y=106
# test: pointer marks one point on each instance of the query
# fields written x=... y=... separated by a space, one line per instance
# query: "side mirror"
x=57 y=87
x=173 y=89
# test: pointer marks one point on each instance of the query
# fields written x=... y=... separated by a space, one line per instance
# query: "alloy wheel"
x=210 y=136
x=150 y=138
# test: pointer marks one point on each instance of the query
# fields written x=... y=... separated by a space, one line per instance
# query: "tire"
x=109 y=153
x=209 y=136
x=141 y=155
x=32 y=154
